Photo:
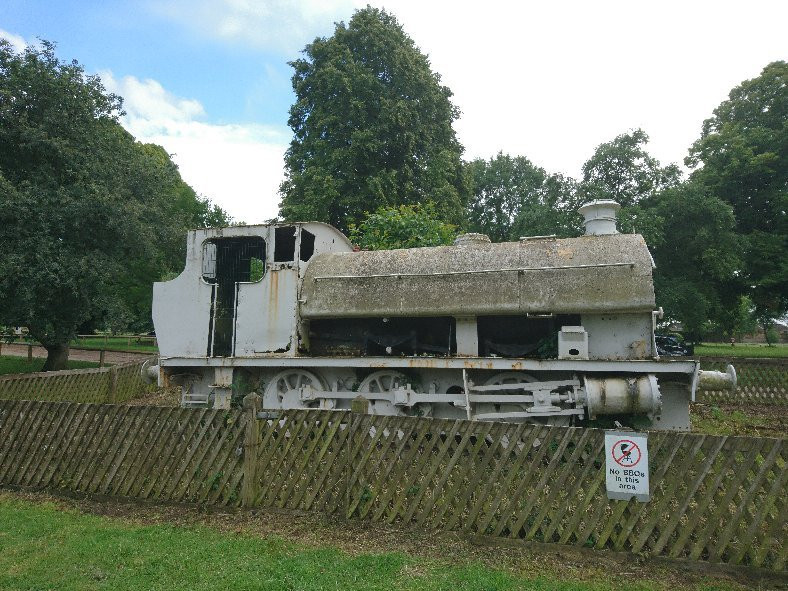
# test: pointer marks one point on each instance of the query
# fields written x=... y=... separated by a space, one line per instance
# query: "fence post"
x=250 y=486
x=112 y=394
x=29 y=353
x=101 y=358
x=358 y=408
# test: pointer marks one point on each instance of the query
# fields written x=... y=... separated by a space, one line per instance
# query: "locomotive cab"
x=237 y=294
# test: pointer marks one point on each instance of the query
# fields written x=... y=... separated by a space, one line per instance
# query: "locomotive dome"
x=602 y=273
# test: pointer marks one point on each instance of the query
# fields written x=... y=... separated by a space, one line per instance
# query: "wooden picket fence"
x=713 y=498
x=144 y=452
x=760 y=381
x=114 y=384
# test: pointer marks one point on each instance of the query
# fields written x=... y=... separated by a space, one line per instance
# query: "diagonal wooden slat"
x=661 y=505
x=487 y=479
x=724 y=538
x=451 y=493
x=759 y=520
x=557 y=484
x=321 y=461
x=667 y=530
x=418 y=435
x=36 y=440
x=514 y=471
x=706 y=536
x=699 y=512
x=434 y=466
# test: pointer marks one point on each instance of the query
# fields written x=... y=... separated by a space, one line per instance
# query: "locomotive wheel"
x=518 y=377
x=510 y=377
x=387 y=380
x=282 y=390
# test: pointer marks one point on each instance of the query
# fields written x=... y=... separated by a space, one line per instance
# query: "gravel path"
x=112 y=357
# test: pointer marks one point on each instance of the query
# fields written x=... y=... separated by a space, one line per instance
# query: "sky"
x=209 y=79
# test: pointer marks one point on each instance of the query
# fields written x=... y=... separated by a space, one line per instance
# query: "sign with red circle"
x=626 y=466
x=626 y=453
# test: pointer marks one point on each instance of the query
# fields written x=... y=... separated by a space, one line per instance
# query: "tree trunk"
x=57 y=356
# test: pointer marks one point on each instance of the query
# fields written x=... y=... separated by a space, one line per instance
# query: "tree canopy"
x=741 y=157
x=406 y=226
x=512 y=197
x=372 y=127
x=88 y=217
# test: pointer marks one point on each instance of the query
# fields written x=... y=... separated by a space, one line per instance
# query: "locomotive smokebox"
x=600 y=217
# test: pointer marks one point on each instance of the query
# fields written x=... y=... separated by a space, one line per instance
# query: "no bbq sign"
x=626 y=465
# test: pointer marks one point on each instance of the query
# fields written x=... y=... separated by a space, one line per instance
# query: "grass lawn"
x=116 y=344
x=131 y=344
x=12 y=364
x=741 y=350
x=52 y=545
x=754 y=420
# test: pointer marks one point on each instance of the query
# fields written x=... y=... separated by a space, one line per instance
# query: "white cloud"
x=237 y=166
x=548 y=80
x=17 y=43
x=279 y=25
x=552 y=80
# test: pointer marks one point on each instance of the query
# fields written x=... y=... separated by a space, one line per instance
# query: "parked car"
x=670 y=346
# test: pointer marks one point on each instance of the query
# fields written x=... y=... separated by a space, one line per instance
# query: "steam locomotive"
x=543 y=330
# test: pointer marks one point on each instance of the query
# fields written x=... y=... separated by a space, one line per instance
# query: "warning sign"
x=626 y=465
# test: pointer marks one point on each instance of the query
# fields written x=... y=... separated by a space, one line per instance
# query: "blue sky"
x=209 y=80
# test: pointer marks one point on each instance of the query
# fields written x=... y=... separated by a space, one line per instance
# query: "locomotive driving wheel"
x=283 y=391
x=518 y=377
x=387 y=381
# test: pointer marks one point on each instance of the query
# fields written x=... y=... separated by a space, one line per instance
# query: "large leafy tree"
x=690 y=231
x=372 y=127
x=180 y=208
x=742 y=158
x=84 y=209
x=512 y=197
x=698 y=261
x=624 y=171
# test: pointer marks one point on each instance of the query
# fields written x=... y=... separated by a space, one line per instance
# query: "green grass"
x=43 y=546
x=722 y=419
x=98 y=343
x=741 y=350
x=116 y=344
x=10 y=364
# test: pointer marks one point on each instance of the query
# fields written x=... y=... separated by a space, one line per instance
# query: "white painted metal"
x=604 y=277
x=600 y=217
x=467 y=336
x=572 y=343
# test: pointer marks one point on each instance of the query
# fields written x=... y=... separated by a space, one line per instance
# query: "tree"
x=372 y=127
x=84 y=210
x=511 y=197
x=698 y=262
x=406 y=226
x=622 y=170
x=180 y=209
x=742 y=158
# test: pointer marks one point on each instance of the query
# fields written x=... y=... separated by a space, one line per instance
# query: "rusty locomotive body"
x=542 y=330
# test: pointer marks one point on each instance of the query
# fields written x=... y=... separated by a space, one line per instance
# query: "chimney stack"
x=600 y=217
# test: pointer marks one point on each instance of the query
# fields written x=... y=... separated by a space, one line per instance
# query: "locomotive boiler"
x=543 y=330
